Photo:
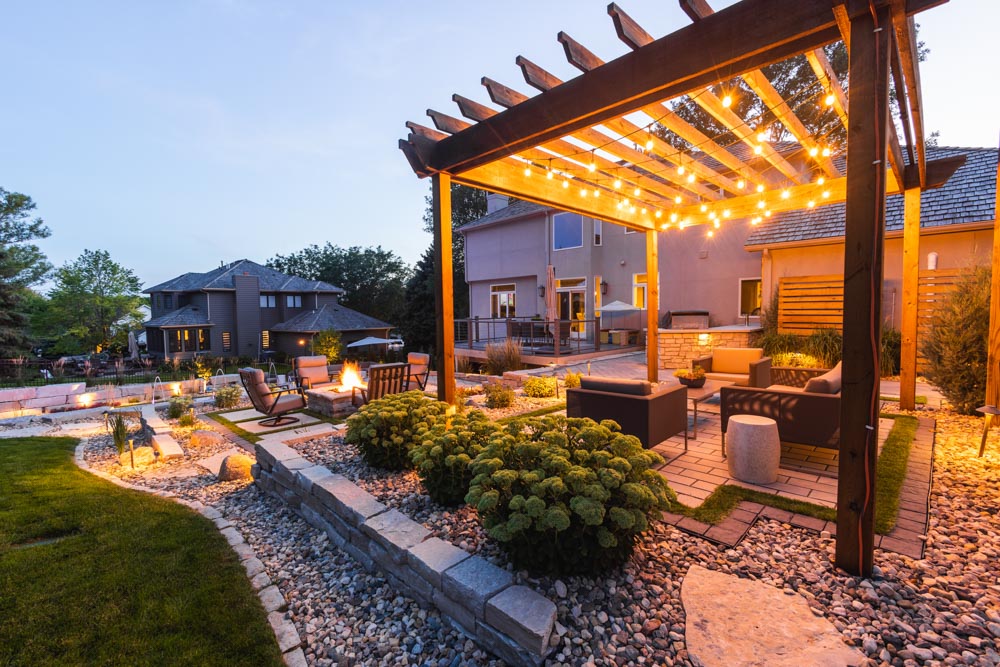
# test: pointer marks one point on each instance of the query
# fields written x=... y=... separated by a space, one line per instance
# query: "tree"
x=419 y=325
x=373 y=279
x=13 y=341
x=94 y=304
x=24 y=264
x=328 y=344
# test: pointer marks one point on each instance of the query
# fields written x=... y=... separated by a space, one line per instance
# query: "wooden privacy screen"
x=807 y=303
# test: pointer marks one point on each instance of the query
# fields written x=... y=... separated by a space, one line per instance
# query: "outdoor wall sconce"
x=604 y=287
x=541 y=291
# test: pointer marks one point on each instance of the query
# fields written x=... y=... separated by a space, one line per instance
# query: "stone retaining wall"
x=677 y=347
x=73 y=395
x=514 y=622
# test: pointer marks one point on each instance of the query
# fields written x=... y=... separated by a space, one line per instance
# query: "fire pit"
x=337 y=401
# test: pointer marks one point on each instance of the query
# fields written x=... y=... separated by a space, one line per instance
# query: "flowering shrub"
x=537 y=387
x=572 y=380
x=498 y=395
x=387 y=429
x=567 y=495
x=442 y=459
x=178 y=406
x=695 y=373
x=228 y=397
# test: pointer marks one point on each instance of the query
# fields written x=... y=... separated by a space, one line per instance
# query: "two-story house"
x=246 y=309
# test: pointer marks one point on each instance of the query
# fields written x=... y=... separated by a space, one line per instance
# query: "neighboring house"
x=507 y=252
x=246 y=309
x=956 y=230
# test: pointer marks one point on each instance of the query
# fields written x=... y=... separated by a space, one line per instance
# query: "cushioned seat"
x=311 y=372
x=272 y=403
x=650 y=415
x=744 y=366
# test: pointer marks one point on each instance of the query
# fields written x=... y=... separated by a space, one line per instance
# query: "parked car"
x=396 y=343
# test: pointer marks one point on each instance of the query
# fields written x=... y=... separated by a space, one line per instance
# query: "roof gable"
x=271 y=280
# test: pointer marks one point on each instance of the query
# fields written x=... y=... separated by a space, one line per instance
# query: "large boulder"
x=143 y=456
x=203 y=437
x=234 y=467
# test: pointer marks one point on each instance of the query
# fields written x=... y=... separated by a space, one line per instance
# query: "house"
x=246 y=309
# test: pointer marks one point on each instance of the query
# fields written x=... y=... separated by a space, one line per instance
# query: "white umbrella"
x=370 y=340
x=618 y=307
x=133 y=346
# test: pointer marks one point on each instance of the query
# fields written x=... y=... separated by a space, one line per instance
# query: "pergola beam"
x=906 y=37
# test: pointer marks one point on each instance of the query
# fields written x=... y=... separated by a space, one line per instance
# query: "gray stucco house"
x=246 y=309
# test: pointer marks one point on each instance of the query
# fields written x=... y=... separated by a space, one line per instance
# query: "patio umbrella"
x=551 y=310
x=370 y=340
x=133 y=346
x=617 y=307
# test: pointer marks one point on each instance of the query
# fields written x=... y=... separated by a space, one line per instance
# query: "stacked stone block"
x=677 y=347
x=513 y=622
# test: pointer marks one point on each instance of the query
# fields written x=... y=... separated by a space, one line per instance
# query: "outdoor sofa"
x=745 y=366
x=651 y=414
x=808 y=415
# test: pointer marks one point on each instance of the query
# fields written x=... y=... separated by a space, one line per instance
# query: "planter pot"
x=694 y=384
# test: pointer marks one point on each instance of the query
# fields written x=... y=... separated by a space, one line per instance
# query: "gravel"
x=942 y=610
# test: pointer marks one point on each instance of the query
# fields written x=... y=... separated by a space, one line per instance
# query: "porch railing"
x=544 y=337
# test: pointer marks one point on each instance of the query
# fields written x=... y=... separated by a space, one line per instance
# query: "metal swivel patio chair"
x=274 y=404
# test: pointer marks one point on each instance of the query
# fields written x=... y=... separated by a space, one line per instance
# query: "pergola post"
x=444 y=305
x=867 y=135
x=993 y=346
x=911 y=294
x=652 y=307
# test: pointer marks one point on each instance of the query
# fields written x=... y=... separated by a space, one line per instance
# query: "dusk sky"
x=180 y=134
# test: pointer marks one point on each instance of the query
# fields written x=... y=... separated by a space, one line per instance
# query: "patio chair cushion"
x=311 y=371
x=827 y=383
x=288 y=402
x=260 y=388
x=735 y=359
x=616 y=386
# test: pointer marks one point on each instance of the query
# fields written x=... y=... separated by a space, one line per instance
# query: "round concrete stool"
x=754 y=449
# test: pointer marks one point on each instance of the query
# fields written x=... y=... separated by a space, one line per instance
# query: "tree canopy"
x=24 y=263
x=94 y=304
x=373 y=279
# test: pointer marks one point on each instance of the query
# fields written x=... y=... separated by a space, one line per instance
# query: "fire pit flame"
x=350 y=376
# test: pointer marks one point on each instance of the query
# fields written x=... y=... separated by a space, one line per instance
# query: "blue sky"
x=180 y=134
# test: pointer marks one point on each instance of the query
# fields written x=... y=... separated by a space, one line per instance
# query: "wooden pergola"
x=588 y=145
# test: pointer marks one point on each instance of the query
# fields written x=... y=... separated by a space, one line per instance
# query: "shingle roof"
x=515 y=210
x=969 y=196
x=188 y=316
x=222 y=279
x=329 y=316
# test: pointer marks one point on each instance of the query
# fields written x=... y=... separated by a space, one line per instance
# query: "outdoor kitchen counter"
x=677 y=347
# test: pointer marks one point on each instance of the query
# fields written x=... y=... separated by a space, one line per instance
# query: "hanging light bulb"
x=820 y=180
x=632 y=210
x=527 y=172
x=826 y=151
x=659 y=213
x=758 y=149
x=673 y=217
x=566 y=183
x=829 y=99
x=727 y=101
x=710 y=233
x=711 y=215
x=826 y=194
x=618 y=184
x=678 y=199
x=760 y=188
x=649 y=140
x=726 y=213
x=785 y=194
x=704 y=207
x=690 y=178
x=548 y=174
x=761 y=204
x=583 y=192
x=625 y=201
x=644 y=211
x=680 y=170
x=682 y=224
x=592 y=167
x=637 y=192
x=811 y=204
x=597 y=193
x=740 y=184
x=813 y=152
x=715 y=223
x=767 y=214
x=593 y=164
x=665 y=226
x=762 y=136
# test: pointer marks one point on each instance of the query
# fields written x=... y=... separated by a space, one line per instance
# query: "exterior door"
x=572 y=306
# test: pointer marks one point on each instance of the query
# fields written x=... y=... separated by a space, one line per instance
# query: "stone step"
x=167 y=447
x=297 y=434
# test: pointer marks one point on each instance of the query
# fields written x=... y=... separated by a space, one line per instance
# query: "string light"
x=726 y=213
x=680 y=170
x=710 y=233
x=762 y=137
x=785 y=194
x=813 y=152
x=811 y=204
x=826 y=194
x=727 y=101
x=644 y=211
x=632 y=210
x=625 y=201
x=740 y=184
x=549 y=173
x=527 y=172
x=593 y=165
x=583 y=192
x=690 y=178
x=820 y=180
x=830 y=99
x=678 y=199
x=715 y=223
x=760 y=188
x=649 y=140
x=659 y=214
x=704 y=207
x=673 y=217
x=758 y=149
x=767 y=214
x=761 y=204
x=565 y=182
x=637 y=192
x=826 y=151
x=618 y=184
x=597 y=193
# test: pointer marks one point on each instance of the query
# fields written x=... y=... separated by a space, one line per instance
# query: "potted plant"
x=691 y=377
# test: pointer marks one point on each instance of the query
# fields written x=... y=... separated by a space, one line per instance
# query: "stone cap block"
x=167 y=447
x=432 y=557
x=524 y=615
x=275 y=451
x=306 y=477
x=474 y=581
x=351 y=503
x=395 y=532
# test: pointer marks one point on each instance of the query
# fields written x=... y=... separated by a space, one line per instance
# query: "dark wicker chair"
x=275 y=404
x=650 y=416
x=384 y=379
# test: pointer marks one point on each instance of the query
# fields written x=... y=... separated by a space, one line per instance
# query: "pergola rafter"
x=588 y=129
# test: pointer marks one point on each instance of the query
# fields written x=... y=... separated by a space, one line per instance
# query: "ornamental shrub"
x=178 y=405
x=385 y=430
x=540 y=387
x=572 y=380
x=498 y=395
x=442 y=458
x=228 y=397
x=957 y=342
x=503 y=357
x=567 y=495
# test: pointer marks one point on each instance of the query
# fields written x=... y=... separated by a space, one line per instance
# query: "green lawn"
x=890 y=473
x=92 y=574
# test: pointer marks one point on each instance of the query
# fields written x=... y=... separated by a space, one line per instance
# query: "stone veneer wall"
x=72 y=395
x=512 y=621
x=677 y=347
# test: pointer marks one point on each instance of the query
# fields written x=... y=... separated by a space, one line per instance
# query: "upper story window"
x=293 y=301
x=168 y=301
x=567 y=231
x=268 y=301
x=502 y=301
x=598 y=229
x=629 y=230
x=639 y=290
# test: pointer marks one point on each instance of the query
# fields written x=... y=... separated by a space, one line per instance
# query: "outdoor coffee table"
x=703 y=393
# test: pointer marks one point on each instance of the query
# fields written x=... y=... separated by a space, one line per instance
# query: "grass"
x=540 y=412
x=220 y=417
x=890 y=473
x=919 y=400
x=94 y=574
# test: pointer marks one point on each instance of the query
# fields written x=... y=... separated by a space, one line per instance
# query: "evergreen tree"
x=13 y=340
x=419 y=324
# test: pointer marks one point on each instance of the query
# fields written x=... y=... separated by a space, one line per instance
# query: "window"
x=268 y=301
x=629 y=230
x=567 y=231
x=174 y=340
x=158 y=301
x=203 y=343
x=639 y=290
x=227 y=341
x=750 y=291
x=598 y=286
x=598 y=228
x=265 y=339
x=293 y=301
x=502 y=301
x=168 y=301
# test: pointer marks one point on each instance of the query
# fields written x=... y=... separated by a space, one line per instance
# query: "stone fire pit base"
x=330 y=403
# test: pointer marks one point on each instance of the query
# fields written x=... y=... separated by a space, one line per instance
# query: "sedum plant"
x=572 y=379
x=498 y=395
x=178 y=406
x=386 y=429
x=444 y=456
x=228 y=397
x=567 y=495
x=540 y=387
